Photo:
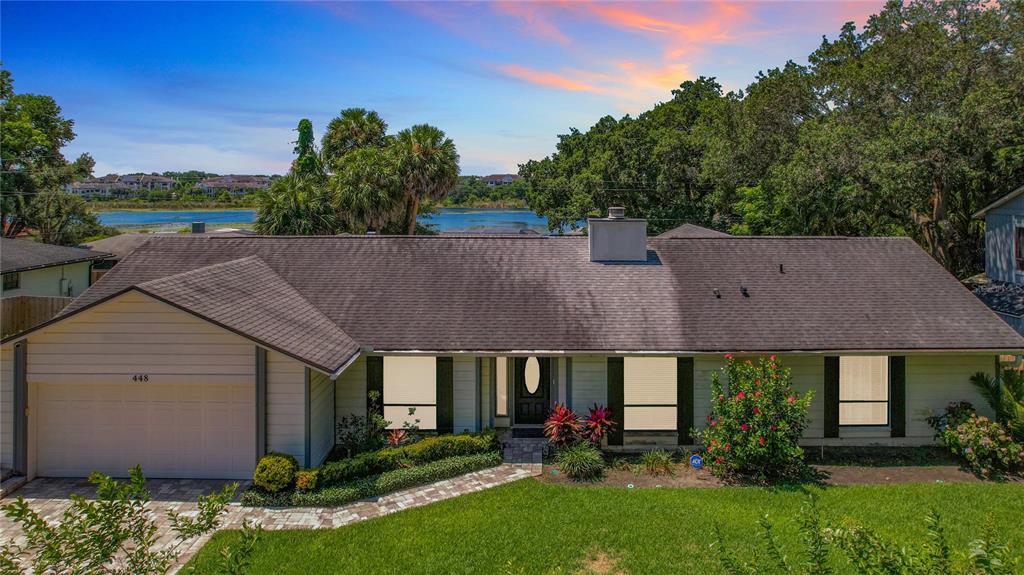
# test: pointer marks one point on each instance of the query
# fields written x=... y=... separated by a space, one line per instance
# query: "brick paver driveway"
x=49 y=497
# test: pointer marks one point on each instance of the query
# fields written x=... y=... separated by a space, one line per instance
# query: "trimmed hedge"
x=275 y=472
x=374 y=485
x=415 y=454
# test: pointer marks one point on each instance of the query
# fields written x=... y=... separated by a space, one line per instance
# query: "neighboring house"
x=197 y=354
x=148 y=182
x=500 y=179
x=234 y=184
x=1004 y=258
x=120 y=246
x=37 y=269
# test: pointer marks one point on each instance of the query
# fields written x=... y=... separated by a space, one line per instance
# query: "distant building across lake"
x=117 y=187
x=500 y=179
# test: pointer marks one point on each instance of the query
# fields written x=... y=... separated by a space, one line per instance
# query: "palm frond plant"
x=1005 y=395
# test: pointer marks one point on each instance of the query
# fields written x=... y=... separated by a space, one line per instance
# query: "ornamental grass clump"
x=657 y=462
x=756 y=422
x=580 y=461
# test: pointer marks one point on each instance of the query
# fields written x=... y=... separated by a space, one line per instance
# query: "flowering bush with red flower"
x=756 y=421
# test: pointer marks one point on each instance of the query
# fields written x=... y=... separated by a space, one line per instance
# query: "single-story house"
x=197 y=354
x=36 y=269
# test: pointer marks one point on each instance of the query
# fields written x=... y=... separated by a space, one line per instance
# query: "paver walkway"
x=49 y=498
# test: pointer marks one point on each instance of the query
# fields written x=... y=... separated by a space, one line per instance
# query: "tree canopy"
x=906 y=127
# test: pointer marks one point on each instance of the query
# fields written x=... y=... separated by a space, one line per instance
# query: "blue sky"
x=221 y=86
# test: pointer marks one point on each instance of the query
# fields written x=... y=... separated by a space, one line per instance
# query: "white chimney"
x=617 y=238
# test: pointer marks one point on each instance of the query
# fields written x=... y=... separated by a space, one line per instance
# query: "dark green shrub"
x=656 y=462
x=374 y=485
x=275 y=471
x=580 y=461
x=305 y=480
x=754 y=429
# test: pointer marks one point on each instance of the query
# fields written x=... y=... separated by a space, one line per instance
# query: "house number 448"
x=140 y=377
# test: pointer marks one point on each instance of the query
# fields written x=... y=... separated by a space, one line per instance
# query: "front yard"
x=533 y=527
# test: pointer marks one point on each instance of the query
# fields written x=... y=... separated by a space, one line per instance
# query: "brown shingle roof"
x=24 y=255
x=543 y=293
x=247 y=297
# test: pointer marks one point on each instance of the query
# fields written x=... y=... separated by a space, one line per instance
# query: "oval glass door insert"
x=532 y=375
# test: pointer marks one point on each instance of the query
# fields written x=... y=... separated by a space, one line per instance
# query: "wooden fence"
x=22 y=312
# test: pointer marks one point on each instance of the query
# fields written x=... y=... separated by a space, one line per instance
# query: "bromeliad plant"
x=756 y=422
x=599 y=424
x=562 y=426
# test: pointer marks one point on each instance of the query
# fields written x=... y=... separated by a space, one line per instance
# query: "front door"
x=532 y=389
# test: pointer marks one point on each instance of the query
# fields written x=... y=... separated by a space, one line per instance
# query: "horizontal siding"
x=933 y=381
x=135 y=334
x=464 y=390
x=589 y=382
x=350 y=390
x=321 y=425
x=7 y=406
x=286 y=415
x=487 y=419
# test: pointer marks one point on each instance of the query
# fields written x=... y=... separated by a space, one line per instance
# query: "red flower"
x=761 y=440
x=721 y=398
x=718 y=460
x=775 y=428
x=773 y=366
x=728 y=447
x=791 y=399
x=758 y=394
x=728 y=356
x=772 y=357
x=740 y=395
x=744 y=427
x=713 y=423
x=756 y=411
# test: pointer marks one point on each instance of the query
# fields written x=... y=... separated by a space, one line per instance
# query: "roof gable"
x=24 y=255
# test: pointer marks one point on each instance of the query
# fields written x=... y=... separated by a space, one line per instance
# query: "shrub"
x=956 y=413
x=275 y=471
x=305 y=480
x=985 y=445
x=754 y=428
x=562 y=426
x=598 y=424
x=580 y=461
x=656 y=462
x=374 y=485
x=387 y=459
x=357 y=434
x=1005 y=395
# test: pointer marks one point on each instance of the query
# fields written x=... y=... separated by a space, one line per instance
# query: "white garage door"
x=189 y=429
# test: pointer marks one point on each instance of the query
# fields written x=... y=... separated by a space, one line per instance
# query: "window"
x=649 y=393
x=501 y=387
x=410 y=382
x=12 y=281
x=864 y=390
x=1018 y=248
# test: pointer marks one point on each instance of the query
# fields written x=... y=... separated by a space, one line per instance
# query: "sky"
x=220 y=87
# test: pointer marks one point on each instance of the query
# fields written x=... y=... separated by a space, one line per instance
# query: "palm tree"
x=296 y=206
x=352 y=129
x=367 y=191
x=428 y=167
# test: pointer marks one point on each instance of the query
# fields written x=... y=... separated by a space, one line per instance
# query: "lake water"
x=445 y=220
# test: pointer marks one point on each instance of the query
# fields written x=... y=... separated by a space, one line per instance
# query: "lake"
x=445 y=220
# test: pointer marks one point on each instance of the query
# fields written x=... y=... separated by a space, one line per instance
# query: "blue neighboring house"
x=1004 y=258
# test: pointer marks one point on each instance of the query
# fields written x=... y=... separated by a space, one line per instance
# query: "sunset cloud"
x=548 y=79
x=534 y=18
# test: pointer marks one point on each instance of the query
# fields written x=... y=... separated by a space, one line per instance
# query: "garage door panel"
x=199 y=429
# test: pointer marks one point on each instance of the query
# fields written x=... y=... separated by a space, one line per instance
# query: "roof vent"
x=198 y=227
x=617 y=238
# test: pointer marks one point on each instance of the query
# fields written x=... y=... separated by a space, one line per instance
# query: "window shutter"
x=831 y=397
x=375 y=382
x=616 y=398
x=898 y=396
x=445 y=397
x=684 y=399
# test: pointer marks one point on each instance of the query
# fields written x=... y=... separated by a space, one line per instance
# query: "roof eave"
x=101 y=256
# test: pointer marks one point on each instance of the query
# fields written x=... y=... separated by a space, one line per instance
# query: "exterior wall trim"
x=20 y=382
x=261 y=402
x=307 y=408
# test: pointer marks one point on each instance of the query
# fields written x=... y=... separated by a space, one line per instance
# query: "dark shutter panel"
x=445 y=396
x=375 y=382
x=831 y=399
x=547 y=384
x=616 y=398
x=898 y=396
x=684 y=399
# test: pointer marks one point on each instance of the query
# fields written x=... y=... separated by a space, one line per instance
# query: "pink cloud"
x=548 y=79
x=535 y=17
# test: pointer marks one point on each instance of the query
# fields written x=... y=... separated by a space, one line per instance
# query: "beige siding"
x=487 y=415
x=321 y=417
x=589 y=382
x=286 y=405
x=933 y=381
x=350 y=390
x=464 y=390
x=7 y=406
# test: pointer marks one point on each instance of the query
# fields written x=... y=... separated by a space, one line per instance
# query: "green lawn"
x=539 y=526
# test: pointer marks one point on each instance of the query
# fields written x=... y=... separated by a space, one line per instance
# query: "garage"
x=188 y=429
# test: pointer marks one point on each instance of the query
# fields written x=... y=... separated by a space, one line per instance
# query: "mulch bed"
x=832 y=475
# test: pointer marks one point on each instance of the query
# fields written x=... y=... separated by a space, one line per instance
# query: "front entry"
x=532 y=390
